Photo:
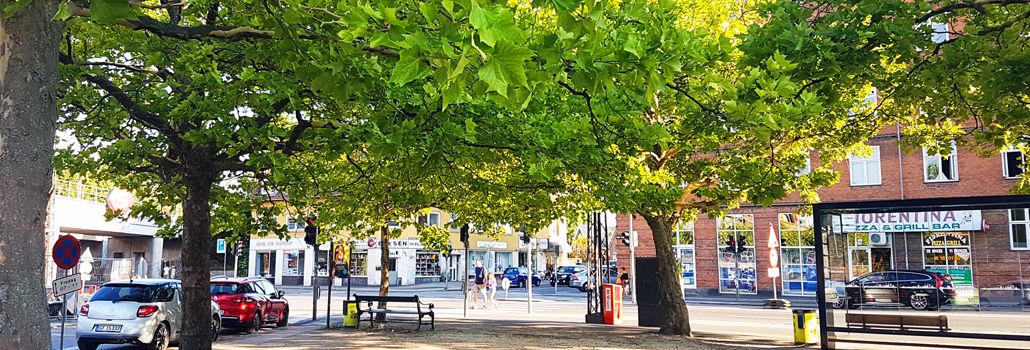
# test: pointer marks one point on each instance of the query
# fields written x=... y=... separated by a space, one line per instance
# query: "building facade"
x=291 y=262
x=977 y=248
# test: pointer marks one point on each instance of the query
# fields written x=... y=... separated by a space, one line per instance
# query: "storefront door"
x=863 y=260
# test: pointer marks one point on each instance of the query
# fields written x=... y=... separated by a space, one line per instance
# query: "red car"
x=249 y=303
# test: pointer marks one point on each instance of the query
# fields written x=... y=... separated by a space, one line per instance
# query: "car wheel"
x=536 y=283
x=85 y=345
x=522 y=284
x=216 y=327
x=284 y=318
x=919 y=301
x=255 y=323
x=840 y=303
x=160 y=341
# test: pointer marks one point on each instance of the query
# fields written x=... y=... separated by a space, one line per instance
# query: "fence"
x=79 y=190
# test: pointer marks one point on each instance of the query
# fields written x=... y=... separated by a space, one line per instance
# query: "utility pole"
x=529 y=275
x=236 y=263
x=465 y=279
x=736 y=266
x=632 y=259
x=329 y=297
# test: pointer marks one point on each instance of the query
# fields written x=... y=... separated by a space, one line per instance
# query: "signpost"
x=66 y=254
x=220 y=248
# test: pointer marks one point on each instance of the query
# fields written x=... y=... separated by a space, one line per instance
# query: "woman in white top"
x=491 y=291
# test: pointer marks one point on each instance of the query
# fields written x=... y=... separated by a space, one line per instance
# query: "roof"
x=237 y=279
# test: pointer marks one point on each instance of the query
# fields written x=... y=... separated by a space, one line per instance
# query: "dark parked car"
x=561 y=277
x=249 y=303
x=918 y=289
x=519 y=275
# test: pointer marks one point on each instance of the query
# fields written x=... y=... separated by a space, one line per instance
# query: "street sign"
x=67 y=284
x=371 y=242
x=221 y=246
x=66 y=252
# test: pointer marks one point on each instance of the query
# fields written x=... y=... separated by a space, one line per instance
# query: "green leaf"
x=494 y=25
x=504 y=67
x=566 y=5
x=110 y=11
x=63 y=12
x=408 y=68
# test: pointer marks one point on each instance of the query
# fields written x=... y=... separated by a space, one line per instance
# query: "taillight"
x=84 y=310
x=574 y=278
x=237 y=300
x=146 y=310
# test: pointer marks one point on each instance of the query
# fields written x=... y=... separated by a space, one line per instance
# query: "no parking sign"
x=66 y=252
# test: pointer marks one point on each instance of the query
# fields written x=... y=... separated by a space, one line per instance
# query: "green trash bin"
x=350 y=313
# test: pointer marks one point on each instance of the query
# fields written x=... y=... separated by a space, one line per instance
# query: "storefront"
x=283 y=262
x=797 y=248
x=409 y=262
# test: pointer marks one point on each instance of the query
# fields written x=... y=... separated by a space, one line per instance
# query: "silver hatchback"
x=146 y=312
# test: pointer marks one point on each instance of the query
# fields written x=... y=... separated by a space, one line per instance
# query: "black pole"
x=351 y=245
x=465 y=282
x=820 y=265
x=329 y=297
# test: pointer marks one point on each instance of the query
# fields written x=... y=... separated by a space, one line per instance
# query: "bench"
x=901 y=322
x=372 y=311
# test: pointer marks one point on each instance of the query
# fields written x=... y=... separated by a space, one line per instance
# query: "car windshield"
x=126 y=292
x=511 y=271
x=227 y=288
x=567 y=269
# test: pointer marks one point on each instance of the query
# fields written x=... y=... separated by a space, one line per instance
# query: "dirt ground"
x=482 y=334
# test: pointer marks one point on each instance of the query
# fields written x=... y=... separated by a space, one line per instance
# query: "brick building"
x=977 y=248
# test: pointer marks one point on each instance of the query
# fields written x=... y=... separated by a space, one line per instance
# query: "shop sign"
x=945 y=239
x=960 y=275
x=538 y=243
x=491 y=245
x=394 y=243
x=926 y=221
x=277 y=244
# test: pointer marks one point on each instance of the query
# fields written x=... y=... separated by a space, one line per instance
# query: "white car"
x=145 y=312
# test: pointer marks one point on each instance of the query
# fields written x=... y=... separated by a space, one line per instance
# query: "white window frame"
x=953 y=156
x=428 y=217
x=682 y=228
x=393 y=224
x=1005 y=162
x=1026 y=225
x=294 y=224
x=808 y=167
x=866 y=162
x=940 y=31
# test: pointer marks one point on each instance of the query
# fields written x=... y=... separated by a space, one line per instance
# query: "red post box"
x=612 y=306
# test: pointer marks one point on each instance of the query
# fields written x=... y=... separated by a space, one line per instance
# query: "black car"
x=561 y=276
x=918 y=289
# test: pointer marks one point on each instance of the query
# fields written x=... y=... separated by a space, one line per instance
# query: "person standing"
x=480 y=284
x=491 y=291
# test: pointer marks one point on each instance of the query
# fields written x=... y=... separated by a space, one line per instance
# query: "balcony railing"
x=79 y=190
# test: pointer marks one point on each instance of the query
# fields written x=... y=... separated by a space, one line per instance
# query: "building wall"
x=993 y=261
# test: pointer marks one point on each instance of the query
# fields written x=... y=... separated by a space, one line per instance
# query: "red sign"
x=371 y=242
x=66 y=252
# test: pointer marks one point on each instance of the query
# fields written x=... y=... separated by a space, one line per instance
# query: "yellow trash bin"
x=806 y=329
x=350 y=316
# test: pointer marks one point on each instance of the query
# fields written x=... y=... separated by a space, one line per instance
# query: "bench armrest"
x=428 y=304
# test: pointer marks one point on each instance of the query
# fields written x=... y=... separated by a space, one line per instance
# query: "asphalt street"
x=717 y=316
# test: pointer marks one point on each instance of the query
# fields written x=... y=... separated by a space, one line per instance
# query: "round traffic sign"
x=371 y=242
x=66 y=252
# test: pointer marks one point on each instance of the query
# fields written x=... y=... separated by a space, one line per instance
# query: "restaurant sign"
x=924 y=221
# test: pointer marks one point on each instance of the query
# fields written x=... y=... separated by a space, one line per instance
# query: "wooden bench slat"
x=939 y=322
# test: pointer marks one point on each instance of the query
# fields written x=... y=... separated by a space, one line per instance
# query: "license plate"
x=882 y=300
x=108 y=328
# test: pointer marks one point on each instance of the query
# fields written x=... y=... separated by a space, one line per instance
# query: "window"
x=267 y=287
x=294 y=225
x=431 y=219
x=798 y=251
x=453 y=224
x=940 y=32
x=392 y=224
x=684 y=247
x=266 y=264
x=1019 y=228
x=294 y=263
x=737 y=271
x=1012 y=162
x=940 y=168
x=948 y=253
x=359 y=263
x=865 y=171
x=427 y=264
x=808 y=167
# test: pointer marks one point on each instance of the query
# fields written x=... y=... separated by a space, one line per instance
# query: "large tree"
x=28 y=91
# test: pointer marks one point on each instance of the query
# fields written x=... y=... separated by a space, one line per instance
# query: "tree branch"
x=978 y=5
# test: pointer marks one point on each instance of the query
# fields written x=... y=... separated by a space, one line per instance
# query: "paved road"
x=717 y=316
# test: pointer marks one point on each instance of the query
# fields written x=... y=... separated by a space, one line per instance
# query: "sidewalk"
x=486 y=334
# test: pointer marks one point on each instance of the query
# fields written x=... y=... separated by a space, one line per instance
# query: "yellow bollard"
x=806 y=327
x=350 y=319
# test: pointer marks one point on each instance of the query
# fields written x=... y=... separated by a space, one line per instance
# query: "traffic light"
x=625 y=238
x=525 y=237
x=741 y=243
x=731 y=245
x=465 y=234
x=311 y=232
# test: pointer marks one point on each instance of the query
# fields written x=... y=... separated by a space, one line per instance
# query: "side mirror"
x=280 y=294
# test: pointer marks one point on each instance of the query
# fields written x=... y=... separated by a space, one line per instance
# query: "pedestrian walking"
x=491 y=291
x=480 y=284
x=624 y=280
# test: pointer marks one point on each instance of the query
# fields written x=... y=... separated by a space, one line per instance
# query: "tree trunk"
x=196 y=268
x=29 y=42
x=677 y=321
x=384 y=275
